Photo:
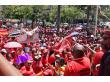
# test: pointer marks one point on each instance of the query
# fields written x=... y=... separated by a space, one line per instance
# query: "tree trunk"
x=58 y=18
x=88 y=14
x=32 y=26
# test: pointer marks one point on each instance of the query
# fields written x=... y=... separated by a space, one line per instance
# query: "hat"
x=4 y=50
x=37 y=57
x=12 y=51
x=44 y=45
x=92 y=36
x=57 y=55
x=29 y=61
x=46 y=50
x=42 y=48
x=56 y=51
x=33 y=49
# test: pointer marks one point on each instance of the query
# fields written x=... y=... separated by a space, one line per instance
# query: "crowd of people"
x=82 y=55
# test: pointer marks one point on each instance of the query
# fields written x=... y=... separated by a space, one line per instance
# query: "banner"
x=3 y=32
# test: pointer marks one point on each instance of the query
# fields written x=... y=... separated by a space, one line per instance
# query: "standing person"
x=97 y=59
x=80 y=65
x=105 y=62
x=22 y=58
x=60 y=66
x=27 y=69
x=51 y=58
x=37 y=65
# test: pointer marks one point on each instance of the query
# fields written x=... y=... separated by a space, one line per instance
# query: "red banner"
x=3 y=32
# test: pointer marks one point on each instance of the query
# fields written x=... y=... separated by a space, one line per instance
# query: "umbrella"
x=12 y=45
x=78 y=28
x=75 y=33
x=14 y=34
x=3 y=26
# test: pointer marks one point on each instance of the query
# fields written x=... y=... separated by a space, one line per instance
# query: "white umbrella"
x=12 y=45
x=78 y=28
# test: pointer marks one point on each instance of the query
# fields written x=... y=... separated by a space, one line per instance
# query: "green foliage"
x=42 y=12
x=67 y=13
x=28 y=11
x=70 y=13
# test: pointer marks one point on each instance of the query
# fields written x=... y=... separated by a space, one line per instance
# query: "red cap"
x=45 y=50
x=49 y=47
x=56 y=51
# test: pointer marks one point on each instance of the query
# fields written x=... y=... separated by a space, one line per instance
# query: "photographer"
x=37 y=65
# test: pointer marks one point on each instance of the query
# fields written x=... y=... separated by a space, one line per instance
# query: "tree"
x=58 y=19
x=67 y=13
x=17 y=12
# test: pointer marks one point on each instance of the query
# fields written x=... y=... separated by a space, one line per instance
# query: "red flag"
x=3 y=32
x=67 y=42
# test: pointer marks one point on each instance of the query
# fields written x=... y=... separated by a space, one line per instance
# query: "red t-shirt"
x=78 y=67
x=97 y=57
x=37 y=66
x=26 y=72
x=44 y=60
x=52 y=59
x=96 y=60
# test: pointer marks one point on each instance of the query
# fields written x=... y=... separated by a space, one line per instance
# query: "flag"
x=67 y=42
x=3 y=32
x=11 y=30
x=35 y=37
x=29 y=36
x=22 y=38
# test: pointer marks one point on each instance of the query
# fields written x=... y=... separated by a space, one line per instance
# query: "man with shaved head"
x=80 y=65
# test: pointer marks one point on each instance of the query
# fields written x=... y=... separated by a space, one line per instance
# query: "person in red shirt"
x=80 y=65
x=37 y=65
x=27 y=69
x=44 y=57
x=51 y=58
x=97 y=59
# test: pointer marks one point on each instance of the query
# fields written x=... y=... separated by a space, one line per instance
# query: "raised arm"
x=6 y=69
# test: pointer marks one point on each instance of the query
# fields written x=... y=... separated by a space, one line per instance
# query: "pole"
x=58 y=18
x=96 y=18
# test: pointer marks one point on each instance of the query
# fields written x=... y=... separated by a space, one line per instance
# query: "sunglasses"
x=29 y=63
